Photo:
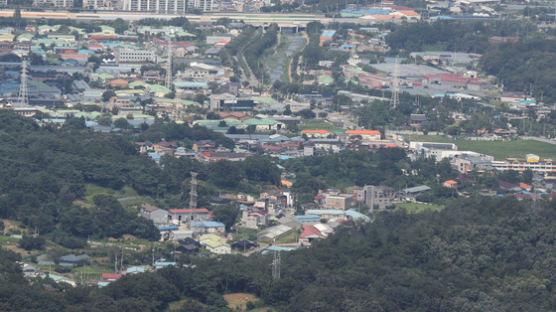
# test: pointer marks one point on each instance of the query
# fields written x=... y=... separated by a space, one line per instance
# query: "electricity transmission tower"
x=276 y=265
x=394 y=101
x=23 y=97
x=169 y=67
x=193 y=192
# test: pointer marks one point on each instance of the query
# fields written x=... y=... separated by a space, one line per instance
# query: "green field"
x=288 y=238
x=419 y=207
x=500 y=150
x=318 y=124
x=128 y=193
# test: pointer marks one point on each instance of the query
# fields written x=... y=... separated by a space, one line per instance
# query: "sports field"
x=500 y=150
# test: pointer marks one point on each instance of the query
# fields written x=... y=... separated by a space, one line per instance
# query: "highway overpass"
x=284 y=20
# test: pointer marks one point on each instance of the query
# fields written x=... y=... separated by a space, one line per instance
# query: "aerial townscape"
x=277 y=155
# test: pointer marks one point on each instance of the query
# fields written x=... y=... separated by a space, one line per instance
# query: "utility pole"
x=153 y=256
x=122 y=260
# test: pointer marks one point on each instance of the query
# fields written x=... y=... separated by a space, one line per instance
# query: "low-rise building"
x=153 y=213
x=185 y=215
x=204 y=227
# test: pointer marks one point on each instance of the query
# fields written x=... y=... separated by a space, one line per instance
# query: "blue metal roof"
x=207 y=224
x=191 y=84
x=328 y=33
x=307 y=217
x=168 y=227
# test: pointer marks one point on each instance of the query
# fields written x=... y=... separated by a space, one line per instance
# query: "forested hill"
x=475 y=255
x=45 y=170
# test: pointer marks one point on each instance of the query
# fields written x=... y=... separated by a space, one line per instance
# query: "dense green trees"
x=532 y=66
x=48 y=169
x=348 y=168
x=449 y=35
x=183 y=132
x=475 y=255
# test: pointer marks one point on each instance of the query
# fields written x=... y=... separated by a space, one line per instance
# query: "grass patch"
x=9 y=240
x=238 y=301
x=318 y=124
x=500 y=150
x=92 y=190
x=419 y=207
x=130 y=198
x=289 y=238
x=245 y=233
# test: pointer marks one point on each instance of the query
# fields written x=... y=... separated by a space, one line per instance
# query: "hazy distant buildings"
x=201 y=5
x=101 y=4
x=156 y=6
x=54 y=3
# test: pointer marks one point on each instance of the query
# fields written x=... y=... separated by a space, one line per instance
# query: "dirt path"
x=290 y=78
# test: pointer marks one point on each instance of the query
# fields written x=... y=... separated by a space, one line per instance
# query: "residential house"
x=366 y=135
x=316 y=133
x=153 y=213
x=308 y=219
x=204 y=227
x=309 y=234
x=188 y=245
x=253 y=219
x=185 y=215
x=213 y=244
x=450 y=184
x=325 y=145
x=111 y=277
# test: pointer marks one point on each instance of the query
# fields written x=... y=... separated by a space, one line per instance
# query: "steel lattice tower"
x=193 y=193
x=23 y=97
x=394 y=101
x=169 y=66
x=276 y=265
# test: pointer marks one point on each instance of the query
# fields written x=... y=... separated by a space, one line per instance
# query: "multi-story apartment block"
x=54 y=3
x=201 y=5
x=136 y=56
x=156 y=6
x=102 y=4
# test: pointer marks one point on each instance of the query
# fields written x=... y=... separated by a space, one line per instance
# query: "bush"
x=30 y=242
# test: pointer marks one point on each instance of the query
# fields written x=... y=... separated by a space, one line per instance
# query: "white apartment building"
x=135 y=56
x=202 y=5
x=102 y=4
x=54 y=3
x=156 y=6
